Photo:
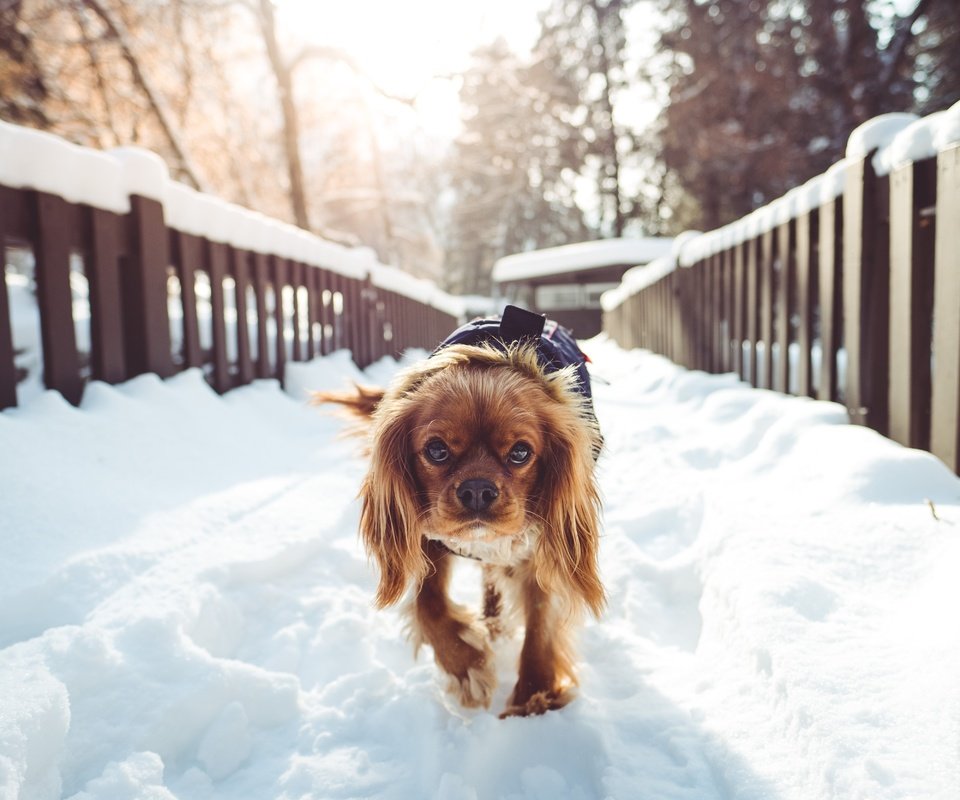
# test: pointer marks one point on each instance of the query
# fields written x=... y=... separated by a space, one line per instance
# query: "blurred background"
x=446 y=135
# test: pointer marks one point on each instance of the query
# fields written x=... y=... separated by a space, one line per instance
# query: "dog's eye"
x=436 y=451
x=520 y=453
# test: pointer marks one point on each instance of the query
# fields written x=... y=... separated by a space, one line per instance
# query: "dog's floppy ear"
x=570 y=509
x=388 y=521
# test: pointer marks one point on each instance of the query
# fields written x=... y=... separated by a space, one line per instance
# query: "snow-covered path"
x=185 y=609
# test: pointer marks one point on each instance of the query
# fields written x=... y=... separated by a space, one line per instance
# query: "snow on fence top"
x=895 y=140
x=583 y=255
x=41 y=161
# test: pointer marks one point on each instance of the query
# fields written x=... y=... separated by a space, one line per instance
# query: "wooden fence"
x=853 y=298
x=238 y=312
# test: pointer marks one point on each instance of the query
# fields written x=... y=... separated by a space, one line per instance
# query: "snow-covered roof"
x=580 y=256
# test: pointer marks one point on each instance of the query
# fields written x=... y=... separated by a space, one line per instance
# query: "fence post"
x=239 y=262
x=673 y=317
x=753 y=309
x=146 y=322
x=185 y=252
x=106 y=317
x=726 y=289
x=709 y=296
x=259 y=282
x=866 y=294
x=830 y=269
x=767 y=254
x=280 y=277
x=55 y=218
x=806 y=272
x=945 y=402
x=912 y=195
x=216 y=258
x=786 y=239
x=8 y=369
x=738 y=325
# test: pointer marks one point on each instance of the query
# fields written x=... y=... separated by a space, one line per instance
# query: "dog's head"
x=478 y=444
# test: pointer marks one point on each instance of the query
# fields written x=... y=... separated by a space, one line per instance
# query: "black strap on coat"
x=556 y=347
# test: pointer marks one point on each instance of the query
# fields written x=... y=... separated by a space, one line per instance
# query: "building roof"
x=580 y=256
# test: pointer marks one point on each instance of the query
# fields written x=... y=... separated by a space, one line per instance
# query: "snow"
x=948 y=132
x=913 y=143
x=42 y=161
x=876 y=133
x=185 y=610
x=580 y=256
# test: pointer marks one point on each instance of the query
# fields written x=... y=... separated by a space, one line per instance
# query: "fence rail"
x=847 y=289
x=160 y=295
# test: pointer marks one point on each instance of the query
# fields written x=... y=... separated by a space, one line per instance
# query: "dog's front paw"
x=538 y=703
x=469 y=664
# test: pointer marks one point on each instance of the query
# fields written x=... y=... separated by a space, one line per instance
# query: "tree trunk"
x=291 y=125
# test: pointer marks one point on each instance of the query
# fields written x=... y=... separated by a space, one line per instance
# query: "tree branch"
x=897 y=49
x=116 y=32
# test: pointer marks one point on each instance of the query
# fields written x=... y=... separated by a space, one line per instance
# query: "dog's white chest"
x=501 y=551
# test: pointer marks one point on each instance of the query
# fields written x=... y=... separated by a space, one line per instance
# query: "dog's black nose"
x=477 y=494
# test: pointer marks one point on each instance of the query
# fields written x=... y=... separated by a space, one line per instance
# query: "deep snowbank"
x=185 y=610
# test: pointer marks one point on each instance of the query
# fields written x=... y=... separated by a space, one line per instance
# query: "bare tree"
x=117 y=32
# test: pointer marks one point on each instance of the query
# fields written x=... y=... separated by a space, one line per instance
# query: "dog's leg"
x=546 y=677
x=492 y=602
x=459 y=643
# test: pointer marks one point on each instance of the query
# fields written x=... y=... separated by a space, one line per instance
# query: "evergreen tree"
x=583 y=43
x=762 y=94
x=935 y=57
x=511 y=184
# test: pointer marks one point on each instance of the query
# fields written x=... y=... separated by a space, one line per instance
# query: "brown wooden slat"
x=260 y=277
x=830 y=271
x=866 y=294
x=912 y=233
x=726 y=299
x=738 y=327
x=671 y=312
x=239 y=264
x=296 y=281
x=399 y=326
x=785 y=236
x=705 y=313
x=57 y=226
x=108 y=354
x=185 y=250
x=311 y=280
x=216 y=258
x=806 y=272
x=144 y=286
x=10 y=202
x=695 y=315
x=717 y=345
x=392 y=306
x=279 y=270
x=766 y=288
x=356 y=320
x=753 y=308
x=326 y=312
x=945 y=403
x=337 y=287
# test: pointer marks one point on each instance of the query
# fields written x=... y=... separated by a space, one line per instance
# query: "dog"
x=487 y=450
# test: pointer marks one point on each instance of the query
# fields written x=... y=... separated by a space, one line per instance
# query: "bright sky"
x=403 y=46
